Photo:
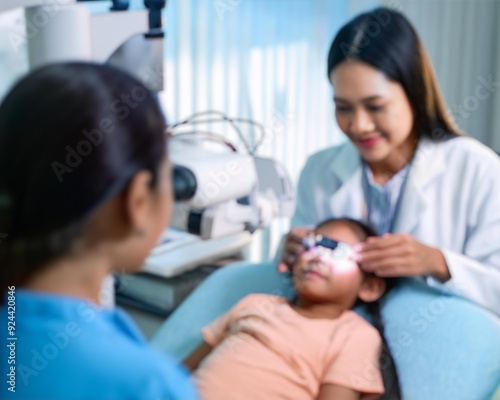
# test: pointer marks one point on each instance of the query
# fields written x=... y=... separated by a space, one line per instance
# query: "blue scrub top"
x=70 y=349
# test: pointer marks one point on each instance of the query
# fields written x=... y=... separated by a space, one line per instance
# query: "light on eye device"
x=325 y=246
x=313 y=241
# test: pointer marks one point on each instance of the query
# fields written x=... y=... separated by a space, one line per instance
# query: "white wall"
x=13 y=54
x=463 y=40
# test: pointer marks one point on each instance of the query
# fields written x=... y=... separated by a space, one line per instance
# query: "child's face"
x=326 y=279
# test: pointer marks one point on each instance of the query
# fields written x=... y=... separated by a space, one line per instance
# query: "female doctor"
x=85 y=191
x=430 y=190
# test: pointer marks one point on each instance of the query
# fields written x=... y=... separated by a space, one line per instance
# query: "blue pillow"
x=444 y=346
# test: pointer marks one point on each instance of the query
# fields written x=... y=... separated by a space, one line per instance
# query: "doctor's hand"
x=293 y=247
x=398 y=255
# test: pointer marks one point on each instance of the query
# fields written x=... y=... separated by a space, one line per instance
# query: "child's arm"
x=329 y=392
x=212 y=336
x=356 y=367
x=194 y=359
x=214 y=333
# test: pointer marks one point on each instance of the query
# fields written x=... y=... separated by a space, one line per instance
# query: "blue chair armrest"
x=181 y=332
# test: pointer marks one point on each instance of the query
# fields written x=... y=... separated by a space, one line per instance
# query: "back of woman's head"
x=72 y=136
x=386 y=40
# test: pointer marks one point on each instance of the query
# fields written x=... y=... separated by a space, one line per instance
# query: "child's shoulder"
x=260 y=300
x=358 y=326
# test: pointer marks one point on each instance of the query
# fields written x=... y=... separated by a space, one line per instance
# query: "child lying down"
x=315 y=347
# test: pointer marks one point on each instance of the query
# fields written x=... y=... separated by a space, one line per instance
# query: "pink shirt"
x=264 y=349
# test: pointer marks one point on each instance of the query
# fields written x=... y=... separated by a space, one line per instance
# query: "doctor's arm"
x=475 y=271
x=475 y=274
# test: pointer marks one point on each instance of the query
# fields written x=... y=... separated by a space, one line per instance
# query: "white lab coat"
x=451 y=201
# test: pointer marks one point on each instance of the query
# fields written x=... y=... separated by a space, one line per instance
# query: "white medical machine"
x=222 y=195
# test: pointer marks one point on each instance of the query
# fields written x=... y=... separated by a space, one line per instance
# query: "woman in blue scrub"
x=85 y=191
x=430 y=191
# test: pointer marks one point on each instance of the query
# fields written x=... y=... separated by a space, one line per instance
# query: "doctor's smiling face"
x=375 y=113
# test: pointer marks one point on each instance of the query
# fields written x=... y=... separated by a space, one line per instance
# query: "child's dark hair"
x=386 y=361
x=72 y=135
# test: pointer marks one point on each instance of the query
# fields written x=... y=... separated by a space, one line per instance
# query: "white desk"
x=180 y=252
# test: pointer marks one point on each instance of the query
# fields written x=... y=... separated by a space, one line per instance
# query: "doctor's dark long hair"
x=72 y=136
x=386 y=40
x=386 y=360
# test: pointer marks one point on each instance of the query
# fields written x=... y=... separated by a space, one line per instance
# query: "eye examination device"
x=329 y=249
x=219 y=190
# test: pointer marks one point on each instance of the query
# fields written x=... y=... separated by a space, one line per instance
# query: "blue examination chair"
x=444 y=346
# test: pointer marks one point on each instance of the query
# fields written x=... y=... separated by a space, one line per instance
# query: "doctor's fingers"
x=287 y=262
x=294 y=248
x=298 y=233
x=291 y=251
x=394 y=267
x=386 y=241
x=384 y=253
